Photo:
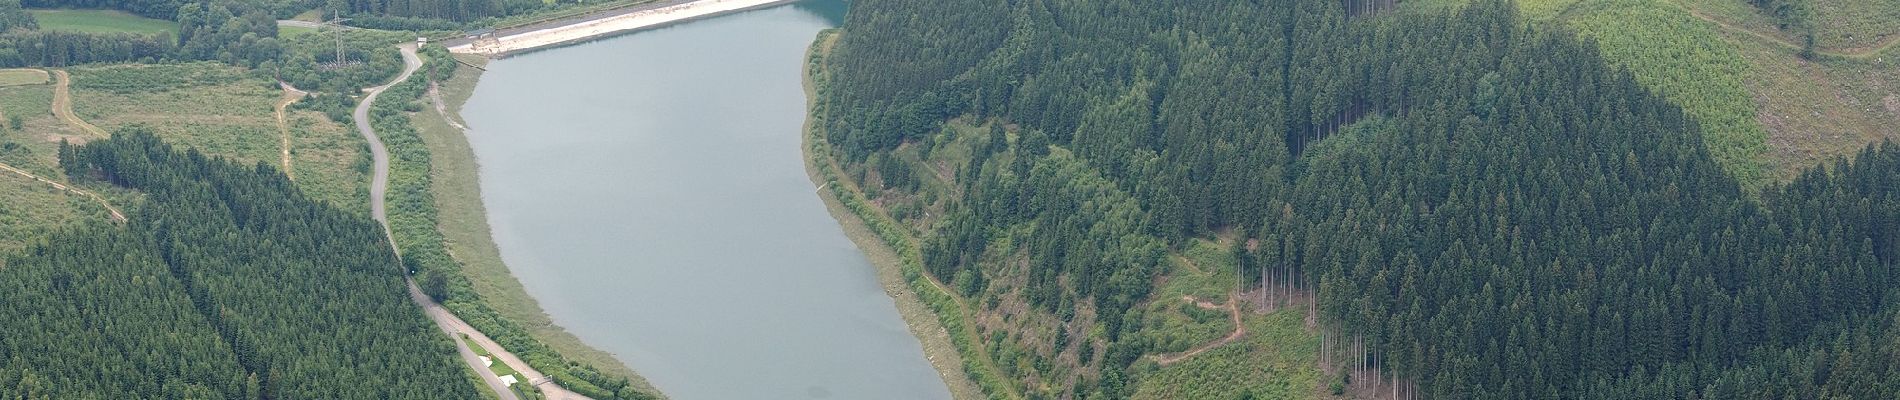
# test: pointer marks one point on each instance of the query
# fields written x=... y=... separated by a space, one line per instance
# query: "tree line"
x=13 y=16
x=232 y=32
x=1484 y=209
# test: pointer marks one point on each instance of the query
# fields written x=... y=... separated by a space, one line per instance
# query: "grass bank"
x=935 y=316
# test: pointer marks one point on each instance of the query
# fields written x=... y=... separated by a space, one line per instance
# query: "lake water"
x=648 y=189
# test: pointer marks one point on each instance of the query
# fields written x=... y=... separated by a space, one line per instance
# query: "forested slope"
x=226 y=283
x=1483 y=208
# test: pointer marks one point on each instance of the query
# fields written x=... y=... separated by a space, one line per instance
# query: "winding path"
x=63 y=105
x=1855 y=53
x=379 y=187
x=116 y=215
x=291 y=95
x=1240 y=330
x=445 y=320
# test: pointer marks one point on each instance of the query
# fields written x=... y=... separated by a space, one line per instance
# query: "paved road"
x=379 y=181
x=445 y=320
x=379 y=187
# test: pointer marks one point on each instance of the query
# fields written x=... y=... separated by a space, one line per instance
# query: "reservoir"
x=648 y=190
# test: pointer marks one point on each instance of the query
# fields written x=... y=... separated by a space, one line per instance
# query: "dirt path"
x=447 y=321
x=63 y=105
x=1859 y=53
x=291 y=95
x=116 y=215
x=442 y=107
x=1240 y=330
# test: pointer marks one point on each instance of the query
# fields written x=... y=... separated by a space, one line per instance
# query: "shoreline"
x=462 y=221
x=922 y=321
x=587 y=28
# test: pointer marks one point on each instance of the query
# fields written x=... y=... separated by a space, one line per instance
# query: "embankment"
x=648 y=15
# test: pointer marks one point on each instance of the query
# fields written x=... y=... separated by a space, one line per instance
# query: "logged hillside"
x=227 y=282
x=1481 y=207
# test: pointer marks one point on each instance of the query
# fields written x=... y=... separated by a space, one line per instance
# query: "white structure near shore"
x=500 y=45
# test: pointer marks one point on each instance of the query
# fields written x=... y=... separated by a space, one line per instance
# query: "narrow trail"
x=63 y=105
x=291 y=96
x=1240 y=330
x=1858 y=53
x=116 y=215
x=442 y=107
x=451 y=325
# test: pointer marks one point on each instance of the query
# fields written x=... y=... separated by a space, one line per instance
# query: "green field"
x=16 y=77
x=294 y=31
x=100 y=21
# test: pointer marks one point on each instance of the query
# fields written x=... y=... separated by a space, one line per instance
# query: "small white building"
x=508 y=380
x=487 y=362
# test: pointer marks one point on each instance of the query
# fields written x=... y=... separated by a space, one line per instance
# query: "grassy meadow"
x=100 y=21
x=23 y=76
x=294 y=31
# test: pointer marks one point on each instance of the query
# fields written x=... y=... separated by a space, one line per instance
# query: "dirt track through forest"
x=1240 y=330
x=63 y=107
x=116 y=215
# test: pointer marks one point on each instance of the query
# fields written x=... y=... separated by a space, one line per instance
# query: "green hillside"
x=1581 y=199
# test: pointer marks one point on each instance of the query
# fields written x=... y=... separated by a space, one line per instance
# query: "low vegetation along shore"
x=896 y=269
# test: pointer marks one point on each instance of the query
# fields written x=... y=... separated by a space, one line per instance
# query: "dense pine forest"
x=227 y=282
x=1482 y=208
